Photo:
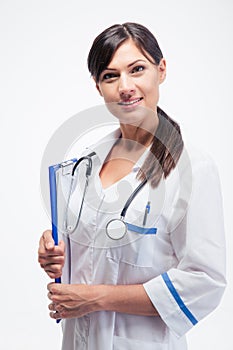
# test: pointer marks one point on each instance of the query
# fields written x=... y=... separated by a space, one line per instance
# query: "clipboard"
x=56 y=172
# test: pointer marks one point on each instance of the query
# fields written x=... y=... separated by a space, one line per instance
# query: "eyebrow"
x=129 y=65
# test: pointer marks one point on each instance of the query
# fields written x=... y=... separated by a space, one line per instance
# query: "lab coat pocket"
x=120 y=343
x=133 y=261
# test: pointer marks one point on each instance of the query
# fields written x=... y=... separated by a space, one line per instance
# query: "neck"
x=141 y=135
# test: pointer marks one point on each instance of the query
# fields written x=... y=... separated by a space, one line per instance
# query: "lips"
x=130 y=102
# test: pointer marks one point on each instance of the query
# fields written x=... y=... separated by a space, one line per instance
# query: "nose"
x=126 y=86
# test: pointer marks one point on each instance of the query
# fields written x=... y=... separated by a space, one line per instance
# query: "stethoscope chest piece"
x=116 y=229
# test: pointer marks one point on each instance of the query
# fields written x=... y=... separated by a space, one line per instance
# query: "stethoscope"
x=115 y=228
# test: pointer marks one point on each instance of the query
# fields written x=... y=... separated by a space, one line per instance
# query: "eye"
x=138 y=69
x=109 y=76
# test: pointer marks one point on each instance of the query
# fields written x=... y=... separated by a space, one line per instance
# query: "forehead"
x=127 y=53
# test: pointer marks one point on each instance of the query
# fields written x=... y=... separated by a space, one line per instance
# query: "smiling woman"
x=127 y=65
x=148 y=287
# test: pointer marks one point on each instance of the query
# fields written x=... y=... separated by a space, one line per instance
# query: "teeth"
x=128 y=103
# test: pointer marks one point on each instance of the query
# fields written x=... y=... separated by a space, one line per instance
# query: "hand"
x=71 y=300
x=50 y=256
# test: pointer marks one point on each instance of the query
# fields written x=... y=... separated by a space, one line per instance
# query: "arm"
x=188 y=292
x=77 y=300
x=131 y=299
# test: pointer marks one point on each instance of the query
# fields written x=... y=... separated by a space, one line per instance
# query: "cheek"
x=152 y=90
x=108 y=94
x=151 y=84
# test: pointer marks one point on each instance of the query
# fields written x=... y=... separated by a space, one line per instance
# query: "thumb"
x=48 y=240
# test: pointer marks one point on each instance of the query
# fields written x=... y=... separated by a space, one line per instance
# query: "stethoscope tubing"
x=88 y=173
x=132 y=196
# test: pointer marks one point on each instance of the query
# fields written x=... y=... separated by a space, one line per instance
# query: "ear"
x=98 y=87
x=162 y=70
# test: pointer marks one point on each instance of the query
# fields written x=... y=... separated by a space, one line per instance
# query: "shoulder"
x=195 y=169
x=198 y=172
x=196 y=159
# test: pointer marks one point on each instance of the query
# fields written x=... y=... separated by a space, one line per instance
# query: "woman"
x=149 y=286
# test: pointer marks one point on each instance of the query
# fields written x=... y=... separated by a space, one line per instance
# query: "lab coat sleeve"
x=186 y=293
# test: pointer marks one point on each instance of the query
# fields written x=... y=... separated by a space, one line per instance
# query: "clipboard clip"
x=67 y=167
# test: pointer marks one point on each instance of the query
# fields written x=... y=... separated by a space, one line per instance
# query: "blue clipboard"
x=53 y=171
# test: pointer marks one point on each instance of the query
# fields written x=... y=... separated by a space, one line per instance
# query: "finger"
x=54 y=271
x=45 y=238
x=56 y=255
x=52 y=264
x=59 y=288
x=58 y=298
x=52 y=307
x=51 y=260
x=53 y=274
x=54 y=288
x=56 y=307
x=58 y=292
x=48 y=240
x=55 y=315
x=50 y=286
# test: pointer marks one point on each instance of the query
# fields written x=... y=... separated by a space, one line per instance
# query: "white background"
x=44 y=81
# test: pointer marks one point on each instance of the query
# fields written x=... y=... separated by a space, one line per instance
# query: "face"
x=131 y=81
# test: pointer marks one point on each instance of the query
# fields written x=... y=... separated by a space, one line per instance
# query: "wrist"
x=131 y=299
x=99 y=297
x=109 y=297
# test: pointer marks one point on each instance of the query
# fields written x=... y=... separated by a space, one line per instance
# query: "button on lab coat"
x=181 y=263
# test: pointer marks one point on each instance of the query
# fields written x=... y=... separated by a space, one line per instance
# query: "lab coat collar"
x=103 y=147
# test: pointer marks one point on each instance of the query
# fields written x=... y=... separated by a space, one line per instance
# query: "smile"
x=129 y=103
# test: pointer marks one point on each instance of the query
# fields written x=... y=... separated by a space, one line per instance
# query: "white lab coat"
x=182 y=266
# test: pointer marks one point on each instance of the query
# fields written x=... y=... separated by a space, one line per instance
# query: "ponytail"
x=165 y=150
